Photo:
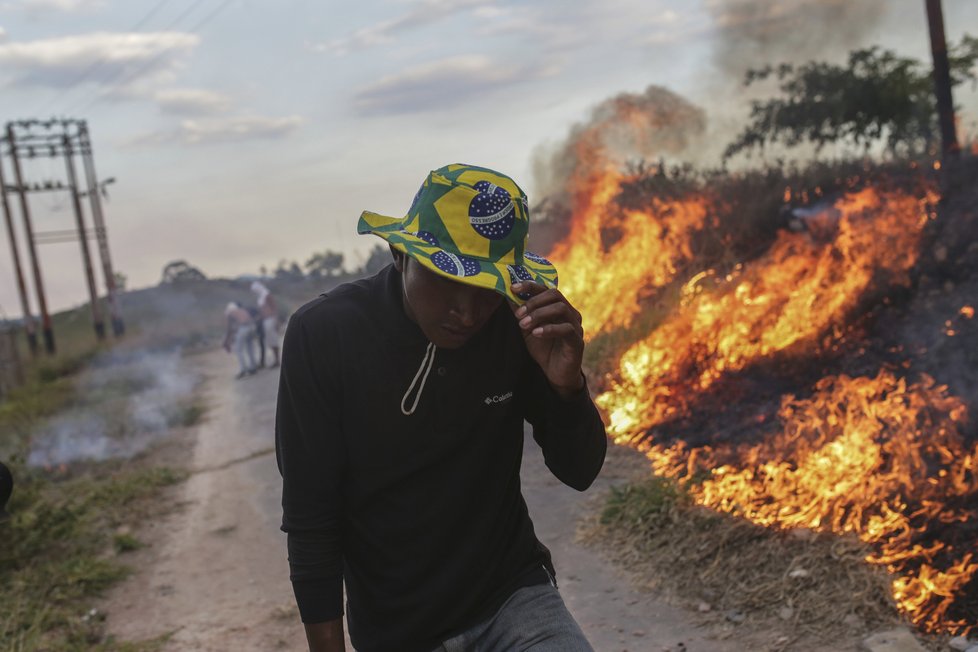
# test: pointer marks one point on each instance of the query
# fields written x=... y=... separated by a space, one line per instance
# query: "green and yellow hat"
x=469 y=224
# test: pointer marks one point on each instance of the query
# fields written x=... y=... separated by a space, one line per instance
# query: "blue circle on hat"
x=519 y=273
x=491 y=212
x=455 y=264
x=427 y=236
x=537 y=259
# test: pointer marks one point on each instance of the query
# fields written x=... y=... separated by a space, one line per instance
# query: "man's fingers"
x=552 y=313
x=554 y=331
x=539 y=295
x=528 y=291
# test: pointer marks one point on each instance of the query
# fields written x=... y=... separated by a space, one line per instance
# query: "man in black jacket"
x=399 y=432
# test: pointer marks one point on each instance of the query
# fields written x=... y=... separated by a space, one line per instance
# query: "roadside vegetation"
x=797 y=587
x=68 y=532
x=73 y=517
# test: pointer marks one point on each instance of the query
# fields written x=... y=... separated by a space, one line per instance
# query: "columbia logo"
x=498 y=399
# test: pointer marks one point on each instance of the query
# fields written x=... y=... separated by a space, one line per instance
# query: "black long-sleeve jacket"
x=421 y=515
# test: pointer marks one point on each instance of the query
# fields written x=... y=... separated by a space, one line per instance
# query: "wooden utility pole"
x=97 y=322
x=30 y=327
x=942 y=81
x=60 y=137
x=47 y=328
x=101 y=236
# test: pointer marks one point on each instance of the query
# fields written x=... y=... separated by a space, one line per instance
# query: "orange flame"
x=873 y=457
x=795 y=293
x=854 y=458
x=606 y=280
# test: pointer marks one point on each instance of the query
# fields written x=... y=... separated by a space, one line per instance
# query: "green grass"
x=57 y=551
x=126 y=543
x=67 y=537
x=648 y=504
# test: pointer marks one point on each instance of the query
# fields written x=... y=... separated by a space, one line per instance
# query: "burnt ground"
x=213 y=575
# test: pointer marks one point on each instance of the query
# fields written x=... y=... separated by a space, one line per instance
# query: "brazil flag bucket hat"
x=469 y=224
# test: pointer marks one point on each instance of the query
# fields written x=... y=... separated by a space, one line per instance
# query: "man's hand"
x=553 y=334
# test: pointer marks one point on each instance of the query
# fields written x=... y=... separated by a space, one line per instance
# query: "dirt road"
x=214 y=575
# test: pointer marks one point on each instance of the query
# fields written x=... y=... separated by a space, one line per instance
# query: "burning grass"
x=762 y=355
x=800 y=588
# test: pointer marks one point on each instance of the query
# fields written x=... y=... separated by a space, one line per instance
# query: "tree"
x=378 y=258
x=288 y=271
x=325 y=263
x=180 y=271
x=878 y=95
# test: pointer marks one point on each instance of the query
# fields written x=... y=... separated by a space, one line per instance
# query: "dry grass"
x=813 y=588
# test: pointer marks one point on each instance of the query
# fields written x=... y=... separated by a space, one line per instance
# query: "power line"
x=101 y=61
x=152 y=62
x=111 y=80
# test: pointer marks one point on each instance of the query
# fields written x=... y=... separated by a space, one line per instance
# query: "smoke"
x=128 y=401
x=751 y=33
x=626 y=127
x=659 y=123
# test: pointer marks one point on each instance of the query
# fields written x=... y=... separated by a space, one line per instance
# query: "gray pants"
x=534 y=618
x=244 y=337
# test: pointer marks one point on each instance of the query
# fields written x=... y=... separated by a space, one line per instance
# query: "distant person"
x=399 y=432
x=240 y=337
x=269 y=326
x=256 y=319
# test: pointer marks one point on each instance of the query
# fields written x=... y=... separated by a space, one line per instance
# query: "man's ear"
x=398 y=259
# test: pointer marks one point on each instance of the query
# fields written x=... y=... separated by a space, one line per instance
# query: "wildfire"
x=874 y=457
x=606 y=278
x=794 y=294
x=857 y=457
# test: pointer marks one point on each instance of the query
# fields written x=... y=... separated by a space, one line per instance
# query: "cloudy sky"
x=242 y=132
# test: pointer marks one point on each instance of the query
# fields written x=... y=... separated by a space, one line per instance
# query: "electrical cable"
x=110 y=81
x=152 y=62
x=101 y=61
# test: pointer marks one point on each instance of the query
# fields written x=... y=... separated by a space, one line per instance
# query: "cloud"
x=546 y=31
x=442 y=83
x=224 y=130
x=191 y=101
x=670 y=28
x=35 y=6
x=423 y=13
x=101 y=58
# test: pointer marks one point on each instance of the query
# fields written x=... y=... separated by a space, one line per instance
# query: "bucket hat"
x=469 y=224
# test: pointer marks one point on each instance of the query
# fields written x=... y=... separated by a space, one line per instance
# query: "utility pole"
x=55 y=138
x=85 y=143
x=83 y=239
x=30 y=327
x=942 y=81
x=25 y=212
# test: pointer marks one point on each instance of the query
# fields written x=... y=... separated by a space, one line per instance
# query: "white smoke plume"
x=128 y=401
x=626 y=127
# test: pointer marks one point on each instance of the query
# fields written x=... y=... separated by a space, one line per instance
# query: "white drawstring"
x=426 y=362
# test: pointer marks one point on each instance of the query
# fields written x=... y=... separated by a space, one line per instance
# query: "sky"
x=244 y=132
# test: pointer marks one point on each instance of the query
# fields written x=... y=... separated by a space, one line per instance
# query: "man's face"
x=449 y=313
